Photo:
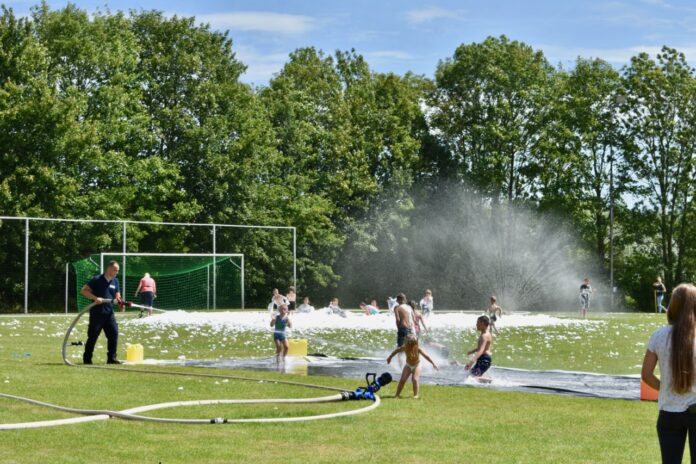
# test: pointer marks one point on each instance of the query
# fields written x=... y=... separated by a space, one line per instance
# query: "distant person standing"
x=292 y=297
x=148 y=292
x=660 y=291
x=418 y=321
x=494 y=312
x=585 y=292
x=102 y=289
x=276 y=300
x=672 y=348
x=426 y=303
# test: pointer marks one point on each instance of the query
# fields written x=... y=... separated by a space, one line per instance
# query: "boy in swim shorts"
x=481 y=359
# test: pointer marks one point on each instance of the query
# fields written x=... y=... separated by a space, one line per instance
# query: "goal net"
x=184 y=280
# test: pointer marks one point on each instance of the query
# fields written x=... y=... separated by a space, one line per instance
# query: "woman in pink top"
x=148 y=292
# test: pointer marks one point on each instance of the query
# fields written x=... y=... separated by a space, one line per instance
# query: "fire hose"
x=367 y=393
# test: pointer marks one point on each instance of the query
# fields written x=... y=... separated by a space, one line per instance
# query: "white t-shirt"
x=660 y=343
x=305 y=308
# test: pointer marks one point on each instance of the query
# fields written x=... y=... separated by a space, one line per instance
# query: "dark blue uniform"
x=101 y=317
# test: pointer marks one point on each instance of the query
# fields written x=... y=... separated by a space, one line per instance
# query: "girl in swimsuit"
x=412 y=368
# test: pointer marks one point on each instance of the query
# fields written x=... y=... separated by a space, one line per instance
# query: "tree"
x=660 y=121
x=489 y=104
x=582 y=150
x=349 y=138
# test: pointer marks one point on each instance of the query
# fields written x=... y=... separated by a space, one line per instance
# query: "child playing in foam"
x=334 y=308
x=412 y=368
x=426 y=303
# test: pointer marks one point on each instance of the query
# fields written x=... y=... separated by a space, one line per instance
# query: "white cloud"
x=260 y=67
x=425 y=15
x=260 y=21
x=556 y=53
x=389 y=55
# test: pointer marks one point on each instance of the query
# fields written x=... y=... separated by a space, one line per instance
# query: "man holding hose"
x=102 y=289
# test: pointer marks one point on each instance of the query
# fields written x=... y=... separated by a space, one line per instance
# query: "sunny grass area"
x=449 y=424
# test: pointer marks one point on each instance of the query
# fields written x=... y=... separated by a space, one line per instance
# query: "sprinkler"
x=368 y=393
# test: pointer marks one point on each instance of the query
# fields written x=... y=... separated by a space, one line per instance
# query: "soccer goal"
x=184 y=280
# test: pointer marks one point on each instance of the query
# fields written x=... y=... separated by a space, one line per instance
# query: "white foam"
x=259 y=320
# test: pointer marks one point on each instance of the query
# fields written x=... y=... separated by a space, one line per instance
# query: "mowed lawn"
x=448 y=424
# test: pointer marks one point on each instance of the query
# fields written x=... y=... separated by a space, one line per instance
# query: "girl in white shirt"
x=672 y=347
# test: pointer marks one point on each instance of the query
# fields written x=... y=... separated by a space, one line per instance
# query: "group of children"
x=407 y=342
x=408 y=322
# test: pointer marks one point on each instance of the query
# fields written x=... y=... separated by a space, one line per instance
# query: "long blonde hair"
x=411 y=347
x=681 y=313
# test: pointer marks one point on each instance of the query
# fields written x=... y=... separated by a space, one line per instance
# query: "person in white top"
x=305 y=307
x=672 y=348
x=277 y=299
x=334 y=308
x=426 y=303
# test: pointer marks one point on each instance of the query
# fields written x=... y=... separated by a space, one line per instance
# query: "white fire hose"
x=134 y=413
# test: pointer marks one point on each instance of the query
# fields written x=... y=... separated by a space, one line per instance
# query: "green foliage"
x=490 y=102
x=660 y=122
x=143 y=116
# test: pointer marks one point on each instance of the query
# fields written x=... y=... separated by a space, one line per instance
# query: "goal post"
x=183 y=280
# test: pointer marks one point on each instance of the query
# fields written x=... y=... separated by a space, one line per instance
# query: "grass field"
x=448 y=424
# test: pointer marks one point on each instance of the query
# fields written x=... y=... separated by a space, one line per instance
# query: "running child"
x=494 y=312
x=412 y=368
x=481 y=359
x=280 y=322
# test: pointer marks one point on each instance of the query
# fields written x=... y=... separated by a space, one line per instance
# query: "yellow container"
x=134 y=353
x=297 y=347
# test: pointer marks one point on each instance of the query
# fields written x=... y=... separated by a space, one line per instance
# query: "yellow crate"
x=297 y=347
x=134 y=353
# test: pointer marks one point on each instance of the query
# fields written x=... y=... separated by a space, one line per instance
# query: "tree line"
x=143 y=116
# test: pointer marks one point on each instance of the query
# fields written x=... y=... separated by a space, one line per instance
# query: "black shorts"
x=401 y=335
x=483 y=363
x=147 y=298
x=291 y=306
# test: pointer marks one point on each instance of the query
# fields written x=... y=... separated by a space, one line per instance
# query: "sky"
x=414 y=35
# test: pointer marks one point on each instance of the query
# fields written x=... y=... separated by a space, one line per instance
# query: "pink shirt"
x=147 y=284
